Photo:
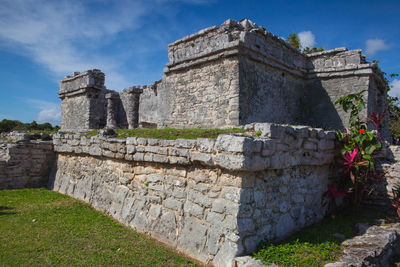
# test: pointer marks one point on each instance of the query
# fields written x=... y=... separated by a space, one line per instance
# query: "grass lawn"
x=317 y=245
x=171 y=133
x=42 y=227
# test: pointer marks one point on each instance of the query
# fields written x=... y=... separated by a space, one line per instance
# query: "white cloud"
x=52 y=115
x=307 y=39
x=395 y=88
x=66 y=36
x=49 y=111
x=372 y=46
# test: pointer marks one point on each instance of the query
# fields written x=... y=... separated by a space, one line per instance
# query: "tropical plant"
x=358 y=147
x=294 y=40
x=313 y=49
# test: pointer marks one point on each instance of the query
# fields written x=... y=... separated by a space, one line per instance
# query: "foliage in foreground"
x=316 y=245
x=170 y=133
x=39 y=227
x=358 y=148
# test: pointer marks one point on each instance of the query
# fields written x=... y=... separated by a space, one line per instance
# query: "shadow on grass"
x=4 y=210
x=320 y=243
x=342 y=223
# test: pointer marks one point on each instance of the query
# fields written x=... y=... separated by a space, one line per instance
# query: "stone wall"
x=388 y=163
x=206 y=95
x=26 y=163
x=268 y=94
x=148 y=106
x=392 y=169
x=212 y=199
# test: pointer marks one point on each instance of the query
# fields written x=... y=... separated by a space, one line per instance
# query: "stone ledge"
x=278 y=147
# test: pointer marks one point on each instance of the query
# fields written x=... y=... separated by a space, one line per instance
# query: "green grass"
x=316 y=245
x=170 y=133
x=45 y=228
x=41 y=131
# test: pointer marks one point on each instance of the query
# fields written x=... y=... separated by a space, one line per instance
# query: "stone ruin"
x=212 y=199
x=227 y=76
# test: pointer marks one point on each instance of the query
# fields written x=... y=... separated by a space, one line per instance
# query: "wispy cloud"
x=372 y=46
x=307 y=39
x=49 y=111
x=395 y=88
x=66 y=36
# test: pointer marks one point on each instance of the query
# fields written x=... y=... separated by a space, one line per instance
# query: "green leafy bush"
x=358 y=146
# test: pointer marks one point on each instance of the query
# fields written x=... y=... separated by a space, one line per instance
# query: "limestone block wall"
x=268 y=94
x=389 y=164
x=202 y=96
x=212 y=199
x=392 y=169
x=25 y=164
x=148 y=106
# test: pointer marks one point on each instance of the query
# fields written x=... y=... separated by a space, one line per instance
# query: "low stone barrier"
x=211 y=199
x=378 y=246
x=388 y=163
x=24 y=162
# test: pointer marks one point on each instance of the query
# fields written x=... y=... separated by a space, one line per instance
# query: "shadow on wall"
x=52 y=175
x=274 y=96
x=122 y=121
x=318 y=109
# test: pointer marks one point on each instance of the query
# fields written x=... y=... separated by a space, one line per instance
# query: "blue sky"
x=43 y=41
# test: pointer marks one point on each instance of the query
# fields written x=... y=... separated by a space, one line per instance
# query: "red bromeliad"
x=334 y=193
x=349 y=158
x=376 y=118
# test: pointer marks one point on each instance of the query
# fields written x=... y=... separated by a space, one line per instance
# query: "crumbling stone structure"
x=231 y=75
x=25 y=160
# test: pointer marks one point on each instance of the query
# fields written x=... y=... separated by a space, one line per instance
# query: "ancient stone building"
x=211 y=199
x=230 y=75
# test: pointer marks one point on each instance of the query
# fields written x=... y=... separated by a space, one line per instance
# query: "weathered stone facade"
x=235 y=74
x=83 y=104
x=213 y=199
x=24 y=162
x=272 y=81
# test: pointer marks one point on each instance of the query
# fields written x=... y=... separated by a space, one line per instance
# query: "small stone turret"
x=130 y=99
x=83 y=101
x=112 y=110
